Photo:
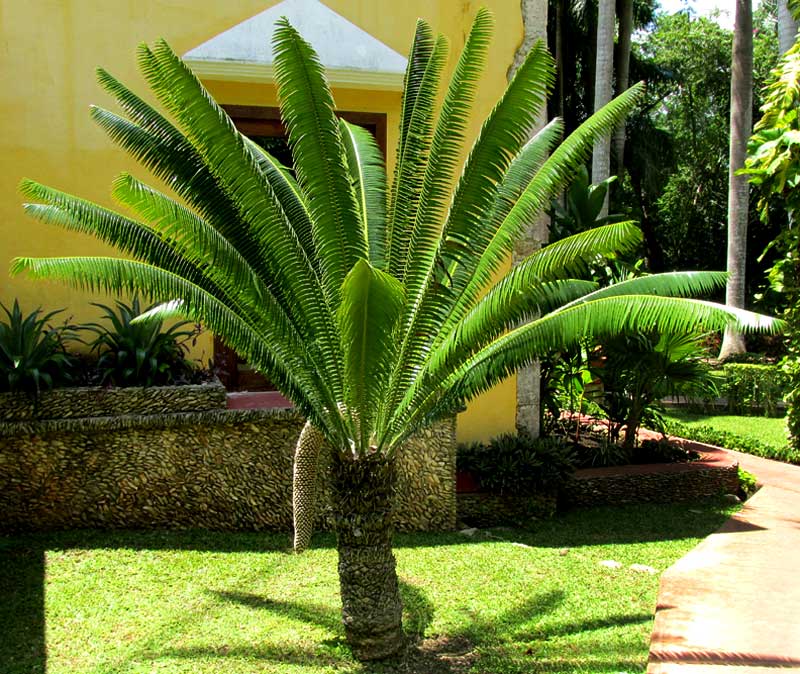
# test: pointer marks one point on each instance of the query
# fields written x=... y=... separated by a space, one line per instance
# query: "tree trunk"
x=362 y=497
x=623 y=68
x=604 y=71
x=738 y=187
x=560 y=18
x=787 y=27
x=528 y=408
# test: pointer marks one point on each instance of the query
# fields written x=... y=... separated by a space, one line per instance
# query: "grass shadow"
x=22 y=611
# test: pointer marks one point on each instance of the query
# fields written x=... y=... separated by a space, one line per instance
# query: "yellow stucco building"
x=52 y=47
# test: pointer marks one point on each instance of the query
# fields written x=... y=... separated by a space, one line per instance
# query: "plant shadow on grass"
x=457 y=653
x=22 y=610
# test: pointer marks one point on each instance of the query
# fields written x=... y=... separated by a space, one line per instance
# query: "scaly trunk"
x=738 y=187
x=362 y=497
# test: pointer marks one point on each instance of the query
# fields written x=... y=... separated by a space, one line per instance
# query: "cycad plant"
x=375 y=308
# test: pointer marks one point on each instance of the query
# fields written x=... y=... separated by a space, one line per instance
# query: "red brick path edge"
x=733 y=603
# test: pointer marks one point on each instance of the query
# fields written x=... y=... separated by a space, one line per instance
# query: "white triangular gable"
x=351 y=56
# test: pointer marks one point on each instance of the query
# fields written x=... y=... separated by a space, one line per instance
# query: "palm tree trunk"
x=604 y=71
x=559 y=49
x=362 y=496
x=738 y=187
x=787 y=27
x=623 y=69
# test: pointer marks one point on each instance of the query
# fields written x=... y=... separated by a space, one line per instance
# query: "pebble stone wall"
x=663 y=484
x=155 y=467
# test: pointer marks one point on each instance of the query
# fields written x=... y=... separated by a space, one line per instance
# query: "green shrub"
x=729 y=440
x=32 y=354
x=748 y=483
x=750 y=387
x=662 y=451
x=139 y=353
x=638 y=370
x=518 y=464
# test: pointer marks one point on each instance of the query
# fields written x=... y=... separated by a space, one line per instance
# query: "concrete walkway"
x=733 y=603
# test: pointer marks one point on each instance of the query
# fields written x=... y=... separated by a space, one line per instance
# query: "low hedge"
x=729 y=440
x=751 y=387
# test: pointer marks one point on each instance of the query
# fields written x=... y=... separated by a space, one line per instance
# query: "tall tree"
x=741 y=124
x=787 y=26
x=623 y=61
x=374 y=305
x=528 y=408
x=603 y=87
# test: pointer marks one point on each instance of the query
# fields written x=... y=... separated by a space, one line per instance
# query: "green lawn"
x=770 y=431
x=124 y=603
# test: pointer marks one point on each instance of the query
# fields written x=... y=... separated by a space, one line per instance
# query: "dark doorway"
x=264 y=126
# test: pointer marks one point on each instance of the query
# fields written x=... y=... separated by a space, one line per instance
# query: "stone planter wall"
x=216 y=469
x=491 y=510
x=657 y=483
x=95 y=401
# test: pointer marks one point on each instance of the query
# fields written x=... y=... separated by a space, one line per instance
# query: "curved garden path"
x=733 y=603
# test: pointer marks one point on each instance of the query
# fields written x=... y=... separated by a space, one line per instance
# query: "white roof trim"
x=351 y=56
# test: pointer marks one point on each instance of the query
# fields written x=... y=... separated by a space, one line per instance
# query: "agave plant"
x=374 y=307
x=138 y=353
x=32 y=353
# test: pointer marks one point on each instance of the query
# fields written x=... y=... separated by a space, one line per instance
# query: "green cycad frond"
x=501 y=309
x=368 y=175
x=374 y=315
x=307 y=109
x=290 y=198
x=198 y=242
x=235 y=166
x=554 y=173
x=570 y=256
x=412 y=158
x=446 y=145
x=130 y=237
x=501 y=138
x=152 y=140
x=371 y=304
x=416 y=68
x=562 y=329
x=668 y=284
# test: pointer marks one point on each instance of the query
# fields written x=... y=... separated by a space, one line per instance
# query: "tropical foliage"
x=773 y=165
x=376 y=308
x=32 y=354
x=639 y=370
x=139 y=353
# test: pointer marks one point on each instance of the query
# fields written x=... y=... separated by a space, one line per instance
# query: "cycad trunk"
x=371 y=606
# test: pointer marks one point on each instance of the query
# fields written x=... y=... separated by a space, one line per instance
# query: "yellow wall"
x=51 y=48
